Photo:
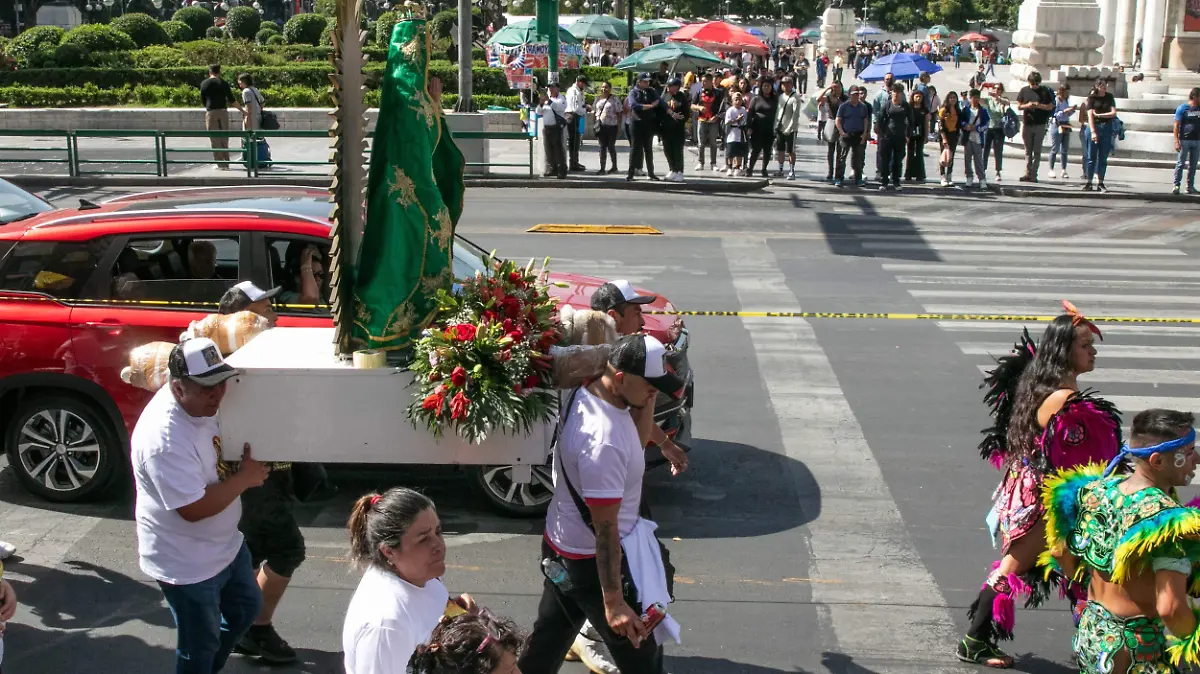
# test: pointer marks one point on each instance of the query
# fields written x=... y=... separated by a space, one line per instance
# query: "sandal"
x=979 y=652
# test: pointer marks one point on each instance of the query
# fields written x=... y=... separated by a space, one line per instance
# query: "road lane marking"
x=1033 y=249
x=1117 y=375
x=1138 y=351
x=1022 y=272
x=1078 y=298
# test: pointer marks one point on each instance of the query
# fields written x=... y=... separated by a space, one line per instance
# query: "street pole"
x=466 y=102
x=547 y=26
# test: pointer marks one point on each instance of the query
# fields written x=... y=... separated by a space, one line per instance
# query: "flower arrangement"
x=483 y=364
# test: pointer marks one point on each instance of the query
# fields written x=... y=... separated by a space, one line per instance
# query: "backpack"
x=1012 y=124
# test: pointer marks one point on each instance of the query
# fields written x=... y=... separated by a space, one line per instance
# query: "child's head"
x=471 y=644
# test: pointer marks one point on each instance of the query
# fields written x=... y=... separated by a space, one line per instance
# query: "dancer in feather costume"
x=1043 y=424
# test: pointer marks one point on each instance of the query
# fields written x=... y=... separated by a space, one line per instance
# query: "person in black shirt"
x=216 y=95
x=674 y=123
x=802 y=65
x=895 y=124
x=1037 y=104
x=763 y=108
x=643 y=104
x=1101 y=110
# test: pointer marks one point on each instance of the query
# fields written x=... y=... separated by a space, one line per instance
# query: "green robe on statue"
x=414 y=200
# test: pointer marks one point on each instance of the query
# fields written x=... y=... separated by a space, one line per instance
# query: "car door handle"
x=105 y=324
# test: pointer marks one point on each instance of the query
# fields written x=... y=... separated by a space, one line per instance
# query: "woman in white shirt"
x=397 y=538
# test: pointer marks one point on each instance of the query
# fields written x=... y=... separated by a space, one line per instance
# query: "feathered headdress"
x=1078 y=318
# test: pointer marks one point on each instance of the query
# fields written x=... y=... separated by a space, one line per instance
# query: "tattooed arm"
x=621 y=618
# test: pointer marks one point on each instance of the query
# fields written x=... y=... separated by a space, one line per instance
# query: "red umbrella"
x=719 y=36
x=791 y=34
x=977 y=37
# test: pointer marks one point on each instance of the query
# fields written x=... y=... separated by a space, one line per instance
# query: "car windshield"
x=17 y=204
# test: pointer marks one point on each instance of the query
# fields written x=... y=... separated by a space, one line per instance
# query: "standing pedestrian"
x=949 y=132
x=897 y=121
x=643 y=105
x=1187 y=140
x=1102 y=109
x=997 y=106
x=707 y=106
x=674 y=127
x=851 y=124
x=187 y=513
x=787 y=121
x=877 y=104
x=252 y=103
x=763 y=109
x=735 y=135
x=839 y=65
x=974 y=123
x=607 y=109
x=828 y=103
x=216 y=95
x=1037 y=104
x=577 y=109
x=822 y=69
x=914 y=170
x=802 y=65
x=592 y=525
x=553 y=110
x=1060 y=128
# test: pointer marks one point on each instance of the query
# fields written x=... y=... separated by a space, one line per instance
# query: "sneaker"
x=1064 y=174
x=594 y=655
x=7 y=550
x=945 y=183
x=1193 y=190
x=1175 y=190
x=997 y=176
x=1087 y=187
x=728 y=173
x=699 y=167
x=742 y=173
x=897 y=187
x=778 y=173
x=861 y=183
x=1053 y=175
x=982 y=184
x=1101 y=188
x=837 y=183
x=263 y=641
x=883 y=188
x=791 y=175
x=970 y=182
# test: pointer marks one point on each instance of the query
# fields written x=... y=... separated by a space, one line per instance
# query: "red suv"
x=80 y=288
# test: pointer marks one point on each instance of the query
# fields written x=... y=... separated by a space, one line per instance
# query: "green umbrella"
x=679 y=56
x=525 y=32
x=940 y=31
x=599 y=27
x=811 y=33
x=656 y=27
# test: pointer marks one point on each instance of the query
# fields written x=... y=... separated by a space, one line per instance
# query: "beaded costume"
x=1119 y=535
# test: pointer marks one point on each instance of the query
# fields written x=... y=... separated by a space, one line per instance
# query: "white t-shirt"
x=604 y=459
x=387 y=619
x=174 y=461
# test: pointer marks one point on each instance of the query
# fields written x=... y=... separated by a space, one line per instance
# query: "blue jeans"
x=1085 y=146
x=1101 y=147
x=212 y=615
x=1189 y=152
x=1060 y=142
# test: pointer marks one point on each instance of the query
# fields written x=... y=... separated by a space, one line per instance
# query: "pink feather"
x=1194 y=503
x=1004 y=612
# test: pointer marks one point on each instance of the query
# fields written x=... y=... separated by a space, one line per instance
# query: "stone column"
x=1053 y=33
x=1152 y=38
x=837 y=31
x=1123 y=38
x=1107 y=30
x=1139 y=21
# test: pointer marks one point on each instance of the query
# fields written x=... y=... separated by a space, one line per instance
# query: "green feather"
x=1060 y=496
x=1140 y=541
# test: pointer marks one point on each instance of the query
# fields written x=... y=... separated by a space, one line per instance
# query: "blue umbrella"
x=756 y=32
x=865 y=30
x=902 y=66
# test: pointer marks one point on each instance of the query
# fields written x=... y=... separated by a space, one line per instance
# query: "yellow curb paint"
x=594 y=229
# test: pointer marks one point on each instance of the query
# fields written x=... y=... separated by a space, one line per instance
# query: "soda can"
x=653 y=616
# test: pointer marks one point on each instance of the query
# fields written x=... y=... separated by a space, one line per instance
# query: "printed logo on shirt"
x=224 y=470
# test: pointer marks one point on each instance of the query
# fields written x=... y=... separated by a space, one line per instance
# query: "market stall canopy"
x=679 y=57
x=599 y=27
x=811 y=33
x=940 y=32
x=525 y=32
x=865 y=29
x=656 y=27
x=901 y=66
x=719 y=36
x=756 y=32
x=977 y=37
x=793 y=34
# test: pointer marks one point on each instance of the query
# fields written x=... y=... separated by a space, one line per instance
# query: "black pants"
x=552 y=145
x=561 y=614
x=608 y=144
x=673 y=138
x=854 y=147
x=574 y=139
x=643 y=147
x=891 y=158
x=269 y=524
x=915 y=167
x=831 y=154
x=802 y=81
x=761 y=141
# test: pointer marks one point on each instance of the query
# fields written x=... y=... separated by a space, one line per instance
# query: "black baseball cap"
x=646 y=357
x=199 y=360
x=243 y=295
x=615 y=293
x=644 y=77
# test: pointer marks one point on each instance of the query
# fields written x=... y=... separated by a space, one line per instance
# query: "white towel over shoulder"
x=646 y=567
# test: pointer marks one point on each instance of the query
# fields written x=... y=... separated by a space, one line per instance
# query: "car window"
x=17 y=204
x=289 y=257
x=59 y=269
x=468 y=259
x=185 y=269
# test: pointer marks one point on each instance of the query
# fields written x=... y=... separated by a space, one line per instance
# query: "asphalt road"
x=833 y=518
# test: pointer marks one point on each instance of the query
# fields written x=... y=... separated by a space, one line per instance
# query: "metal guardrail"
x=167 y=154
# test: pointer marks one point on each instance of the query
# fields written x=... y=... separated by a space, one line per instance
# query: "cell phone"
x=654 y=615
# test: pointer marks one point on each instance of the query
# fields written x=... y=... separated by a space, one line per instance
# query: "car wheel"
x=62 y=449
x=510 y=498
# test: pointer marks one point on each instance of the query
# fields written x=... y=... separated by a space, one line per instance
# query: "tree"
x=197 y=18
x=953 y=13
x=242 y=22
x=144 y=30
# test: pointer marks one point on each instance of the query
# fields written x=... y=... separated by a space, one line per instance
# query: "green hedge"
x=304 y=29
x=144 y=30
x=242 y=22
x=197 y=18
x=26 y=47
x=178 y=31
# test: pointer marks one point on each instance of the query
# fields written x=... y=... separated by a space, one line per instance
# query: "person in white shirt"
x=397 y=537
x=577 y=109
x=553 y=110
x=187 y=514
x=593 y=523
x=787 y=121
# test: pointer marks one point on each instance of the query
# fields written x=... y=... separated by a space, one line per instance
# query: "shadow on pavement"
x=34 y=650
x=309 y=662
x=844 y=240
x=86 y=596
x=1035 y=664
x=696 y=664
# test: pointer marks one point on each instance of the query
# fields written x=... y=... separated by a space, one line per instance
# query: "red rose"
x=532 y=381
x=517 y=279
x=459 y=376
x=516 y=335
x=489 y=316
x=508 y=324
x=517 y=389
x=512 y=307
x=433 y=402
x=458 y=405
x=463 y=332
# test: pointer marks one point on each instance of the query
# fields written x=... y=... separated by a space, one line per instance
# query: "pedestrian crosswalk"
x=1139 y=365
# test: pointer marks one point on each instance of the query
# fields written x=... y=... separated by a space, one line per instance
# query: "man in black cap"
x=644 y=103
x=600 y=560
x=246 y=296
x=577 y=109
x=674 y=127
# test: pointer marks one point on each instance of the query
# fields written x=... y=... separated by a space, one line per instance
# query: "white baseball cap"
x=199 y=360
x=615 y=293
x=646 y=357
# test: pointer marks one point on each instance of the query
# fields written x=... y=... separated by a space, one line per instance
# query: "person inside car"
x=202 y=260
x=303 y=275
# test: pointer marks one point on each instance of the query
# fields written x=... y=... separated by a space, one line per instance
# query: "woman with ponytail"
x=471 y=644
x=396 y=538
x=1043 y=424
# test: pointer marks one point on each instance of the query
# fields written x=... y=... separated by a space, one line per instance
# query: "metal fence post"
x=72 y=166
x=531 y=157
